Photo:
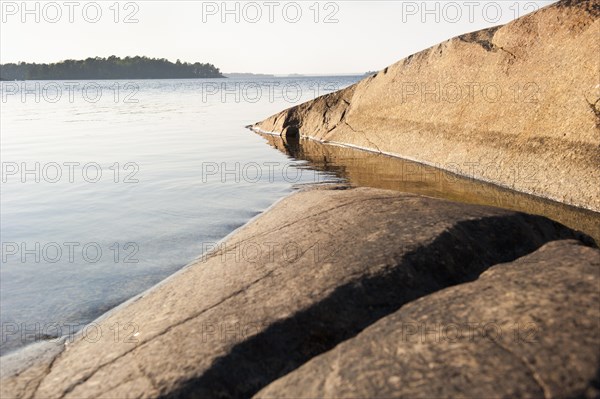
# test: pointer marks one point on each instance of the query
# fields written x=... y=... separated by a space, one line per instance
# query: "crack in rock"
x=365 y=136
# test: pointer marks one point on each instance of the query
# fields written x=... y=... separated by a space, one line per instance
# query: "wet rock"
x=290 y=132
x=312 y=272
x=525 y=329
x=517 y=105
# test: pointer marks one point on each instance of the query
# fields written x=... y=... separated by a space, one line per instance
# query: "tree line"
x=109 y=68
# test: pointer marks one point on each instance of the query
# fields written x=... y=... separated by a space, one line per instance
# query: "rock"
x=22 y=372
x=516 y=105
x=525 y=329
x=290 y=132
x=313 y=271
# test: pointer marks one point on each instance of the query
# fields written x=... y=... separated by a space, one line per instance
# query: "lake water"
x=109 y=187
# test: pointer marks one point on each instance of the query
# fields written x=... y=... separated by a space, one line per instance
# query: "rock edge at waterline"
x=538 y=133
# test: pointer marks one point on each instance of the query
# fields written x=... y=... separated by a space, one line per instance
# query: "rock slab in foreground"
x=313 y=271
x=516 y=105
x=526 y=329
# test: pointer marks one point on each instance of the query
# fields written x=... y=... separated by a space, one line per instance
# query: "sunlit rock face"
x=517 y=105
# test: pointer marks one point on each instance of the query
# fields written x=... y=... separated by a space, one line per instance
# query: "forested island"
x=109 y=68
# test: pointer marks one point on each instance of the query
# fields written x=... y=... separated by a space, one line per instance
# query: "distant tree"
x=112 y=67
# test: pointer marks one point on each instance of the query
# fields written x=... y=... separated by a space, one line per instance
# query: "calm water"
x=109 y=187
x=362 y=168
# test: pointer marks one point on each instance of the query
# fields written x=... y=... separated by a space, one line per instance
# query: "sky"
x=272 y=37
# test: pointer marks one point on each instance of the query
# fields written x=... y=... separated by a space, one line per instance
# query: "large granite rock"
x=526 y=329
x=516 y=105
x=312 y=272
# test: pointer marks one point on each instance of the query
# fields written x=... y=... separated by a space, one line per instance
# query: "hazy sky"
x=278 y=37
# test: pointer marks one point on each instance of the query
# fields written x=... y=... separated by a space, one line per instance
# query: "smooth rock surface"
x=526 y=329
x=516 y=105
x=22 y=372
x=314 y=271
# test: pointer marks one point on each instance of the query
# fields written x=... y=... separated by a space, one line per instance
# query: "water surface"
x=178 y=172
x=362 y=168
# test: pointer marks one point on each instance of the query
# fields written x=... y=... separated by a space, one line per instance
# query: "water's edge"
x=425 y=163
x=33 y=348
x=25 y=351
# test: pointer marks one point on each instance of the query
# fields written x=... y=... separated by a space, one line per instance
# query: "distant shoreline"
x=113 y=67
x=99 y=79
x=226 y=76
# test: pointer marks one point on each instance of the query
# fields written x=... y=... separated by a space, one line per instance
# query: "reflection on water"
x=362 y=168
x=72 y=246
